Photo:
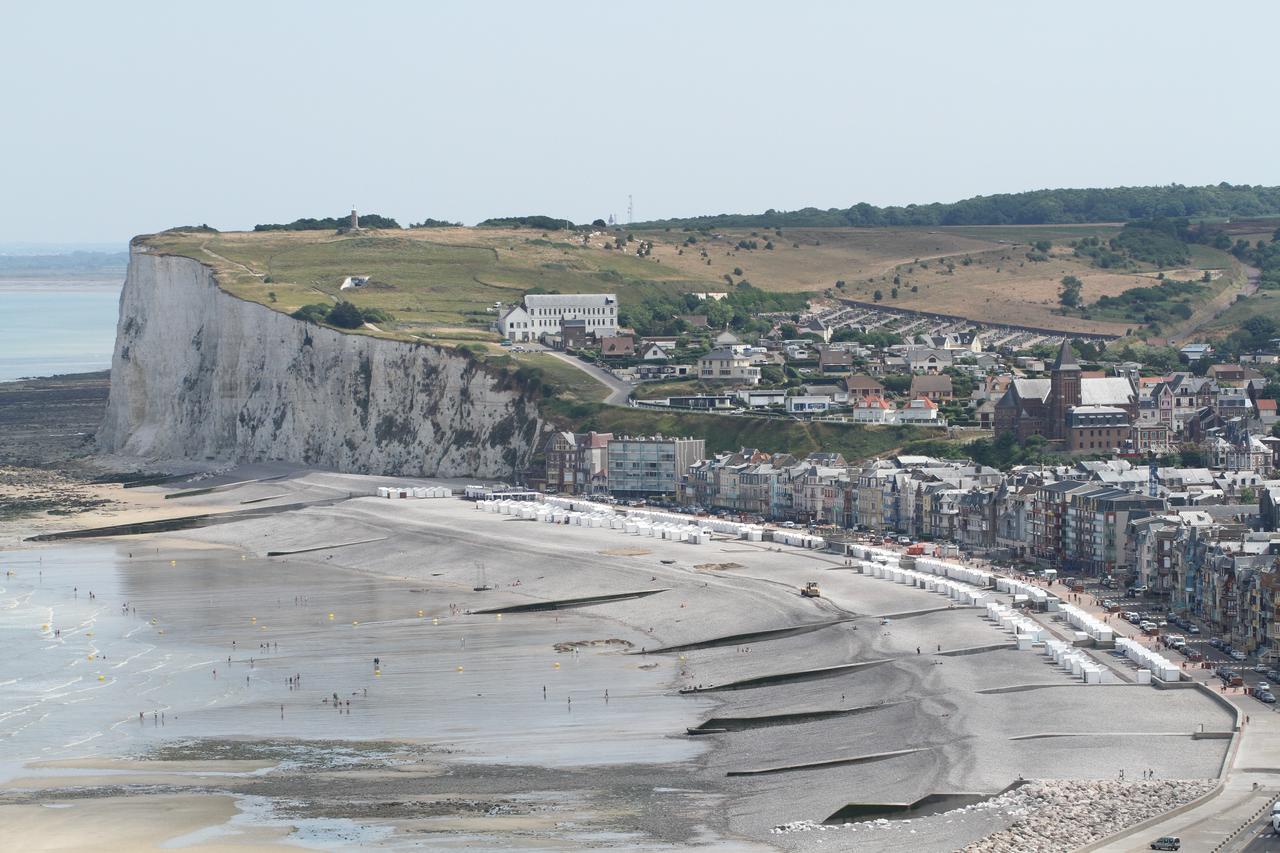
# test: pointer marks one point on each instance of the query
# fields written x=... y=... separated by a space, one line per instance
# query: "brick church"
x=1084 y=412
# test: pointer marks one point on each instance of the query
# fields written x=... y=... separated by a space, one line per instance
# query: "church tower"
x=1064 y=390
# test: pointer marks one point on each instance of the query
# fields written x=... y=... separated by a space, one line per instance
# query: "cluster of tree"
x=1255 y=333
x=344 y=315
x=1156 y=358
x=1161 y=303
x=542 y=223
x=1161 y=242
x=871 y=338
x=434 y=223
x=1069 y=292
x=331 y=223
x=1265 y=255
x=659 y=313
x=1040 y=207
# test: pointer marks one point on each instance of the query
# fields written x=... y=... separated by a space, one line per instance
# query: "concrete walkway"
x=1252 y=780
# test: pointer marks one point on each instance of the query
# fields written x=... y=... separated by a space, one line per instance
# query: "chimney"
x=355 y=220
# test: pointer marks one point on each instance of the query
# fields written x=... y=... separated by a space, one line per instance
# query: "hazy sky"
x=123 y=118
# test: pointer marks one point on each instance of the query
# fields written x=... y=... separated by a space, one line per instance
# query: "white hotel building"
x=543 y=313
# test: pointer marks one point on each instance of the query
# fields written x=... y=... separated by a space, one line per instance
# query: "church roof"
x=1112 y=391
x=1066 y=359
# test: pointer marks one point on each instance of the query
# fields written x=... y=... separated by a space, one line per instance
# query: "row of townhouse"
x=1214 y=564
x=1075 y=517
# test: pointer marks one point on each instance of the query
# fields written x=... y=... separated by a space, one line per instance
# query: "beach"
x=873 y=693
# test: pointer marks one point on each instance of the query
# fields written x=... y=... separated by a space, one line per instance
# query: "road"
x=619 y=391
x=1260 y=838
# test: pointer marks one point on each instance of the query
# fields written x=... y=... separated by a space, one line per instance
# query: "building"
x=642 y=466
x=807 y=403
x=874 y=410
x=576 y=462
x=832 y=360
x=919 y=410
x=1042 y=406
x=1097 y=428
x=935 y=387
x=863 y=386
x=544 y=314
x=618 y=346
x=728 y=364
x=653 y=351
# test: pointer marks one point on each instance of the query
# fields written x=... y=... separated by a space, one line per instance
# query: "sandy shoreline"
x=497 y=764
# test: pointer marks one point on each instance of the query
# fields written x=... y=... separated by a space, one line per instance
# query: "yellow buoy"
x=377 y=672
x=330 y=617
x=102 y=678
x=161 y=631
x=153 y=621
x=173 y=562
x=44 y=627
x=242 y=556
x=88 y=657
x=355 y=623
x=459 y=669
x=435 y=621
x=88 y=633
x=499 y=617
x=556 y=665
x=253 y=618
x=262 y=627
x=420 y=613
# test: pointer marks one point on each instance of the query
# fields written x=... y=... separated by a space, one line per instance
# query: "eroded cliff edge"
x=200 y=374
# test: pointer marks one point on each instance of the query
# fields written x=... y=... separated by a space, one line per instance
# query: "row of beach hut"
x=414 y=492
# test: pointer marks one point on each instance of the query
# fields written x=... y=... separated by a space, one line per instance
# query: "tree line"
x=330 y=223
x=1038 y=207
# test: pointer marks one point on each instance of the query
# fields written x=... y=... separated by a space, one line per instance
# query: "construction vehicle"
x=811 y=590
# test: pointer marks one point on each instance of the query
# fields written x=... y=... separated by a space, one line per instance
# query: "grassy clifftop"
x=442 y=283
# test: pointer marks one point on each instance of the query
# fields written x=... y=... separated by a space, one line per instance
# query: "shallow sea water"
x=469 y=684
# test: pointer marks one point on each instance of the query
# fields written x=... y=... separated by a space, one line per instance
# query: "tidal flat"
x=449 y=739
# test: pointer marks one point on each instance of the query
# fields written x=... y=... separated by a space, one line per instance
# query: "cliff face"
x=200 y=374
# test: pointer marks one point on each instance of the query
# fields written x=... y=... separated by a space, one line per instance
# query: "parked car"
x=1266 y=697
x=1167 y=842
x=1194 y=655
x=1238 y=656
x=1192 y=629
x=1274 y=676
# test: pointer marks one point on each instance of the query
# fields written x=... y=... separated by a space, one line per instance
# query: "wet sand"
x=477 y=757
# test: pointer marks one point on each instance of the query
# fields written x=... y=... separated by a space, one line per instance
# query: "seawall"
x=198 y=373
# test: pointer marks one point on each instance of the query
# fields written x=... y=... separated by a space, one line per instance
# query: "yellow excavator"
x=811 y=590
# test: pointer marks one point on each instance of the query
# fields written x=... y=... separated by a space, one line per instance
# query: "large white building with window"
x=543 y=313
x=728 y=364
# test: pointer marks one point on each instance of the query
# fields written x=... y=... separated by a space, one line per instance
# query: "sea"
x=54 y=326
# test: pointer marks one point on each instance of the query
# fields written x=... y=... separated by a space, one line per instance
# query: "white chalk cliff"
x=200 y=374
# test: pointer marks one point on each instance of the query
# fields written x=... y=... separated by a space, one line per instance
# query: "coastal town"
x=1160 y=484
x=875 y=453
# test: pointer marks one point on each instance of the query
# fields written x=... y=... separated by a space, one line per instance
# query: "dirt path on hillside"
x=1211 y=310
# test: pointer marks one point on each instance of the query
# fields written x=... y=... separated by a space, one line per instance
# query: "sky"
x=127 y=118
